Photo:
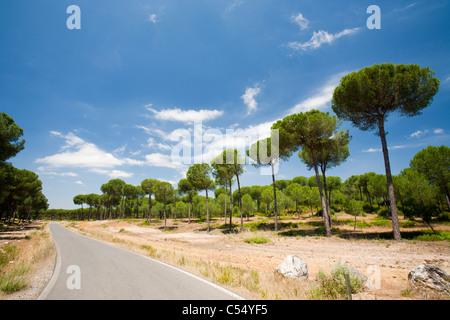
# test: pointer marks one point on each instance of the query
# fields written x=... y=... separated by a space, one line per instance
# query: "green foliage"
x=434 y=164
x=354 y=207
x=14 y=280
x=367 y=96
x=10 y=133
x=332 y=286
x=257 y=240
x=433 y=236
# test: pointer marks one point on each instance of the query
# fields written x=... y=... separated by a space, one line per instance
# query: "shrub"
x=258 y=240
x=252 y=281
x=332 y=286
x=382 y=212
x=438 y=236
x=14 y=280
x=444 y=216
x=230 y=276
x=380 y=222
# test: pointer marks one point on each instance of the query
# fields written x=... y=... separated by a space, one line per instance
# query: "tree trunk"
x=149 y=208
x=325 y=191
x=231 y=207
x=189 y=213
x=207 y=208
x=275 y=209
x=164 y=212
x=226 y=197
x=393 y=204
x=447 y=197
x=240 y=202
x=322 y=199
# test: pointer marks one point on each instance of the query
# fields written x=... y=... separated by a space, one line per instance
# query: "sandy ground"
x=386 y=261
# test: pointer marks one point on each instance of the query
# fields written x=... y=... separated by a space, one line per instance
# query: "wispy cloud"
x=418 y=133
x=44 y=171
x=301 y=21
x=249 y=98
x=152 y=144
x=405 y=8
x=162 y=160
x=322 y=98
x=152 y=18
x=154 y=132
x=78 y=153
x=319 y=38
x=180 y=115
x=438 y=131
x=233 y=5
x=113 y=174
x=372 y=150
x=389 y=148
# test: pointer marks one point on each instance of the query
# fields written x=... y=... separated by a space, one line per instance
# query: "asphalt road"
x=87 y=269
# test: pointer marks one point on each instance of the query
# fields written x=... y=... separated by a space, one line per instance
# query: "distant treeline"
x=419 y=196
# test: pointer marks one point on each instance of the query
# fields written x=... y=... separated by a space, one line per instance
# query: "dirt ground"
x=386 y=262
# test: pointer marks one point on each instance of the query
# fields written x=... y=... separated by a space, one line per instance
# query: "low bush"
x=257 y=240
x=332 y=286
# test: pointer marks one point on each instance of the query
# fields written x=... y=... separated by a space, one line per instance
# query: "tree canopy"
x=367 y=97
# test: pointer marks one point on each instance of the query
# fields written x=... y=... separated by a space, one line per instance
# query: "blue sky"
x=102 y=102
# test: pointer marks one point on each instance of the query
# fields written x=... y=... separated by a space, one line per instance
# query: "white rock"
x=430 y=277
x=293 y=267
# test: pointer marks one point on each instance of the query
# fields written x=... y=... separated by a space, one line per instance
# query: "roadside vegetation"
x=18 y=259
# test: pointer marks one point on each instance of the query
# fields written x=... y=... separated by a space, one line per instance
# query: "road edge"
x=56 y=270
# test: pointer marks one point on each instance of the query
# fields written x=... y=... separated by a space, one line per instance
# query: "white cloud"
x=322 y=98
x=389 y=148
x=161 y=146
x=172 y=182
x=120 y=150
x=372 y=150
x=319 y=38
x=249 y=98
x=44 y=171
x=405 y=8
x=79 y=182
x=62 y=174
x=162 y=160
x=438 y=131
x=56 y=133
x=418 y=134
x=152 y=18
x=81 y=154
x=153 y=132
x=179 y=115
x=233 y=5
x=301 y=21
x=113 y=174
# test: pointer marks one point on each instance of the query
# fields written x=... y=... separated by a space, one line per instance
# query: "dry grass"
x=21 y=260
